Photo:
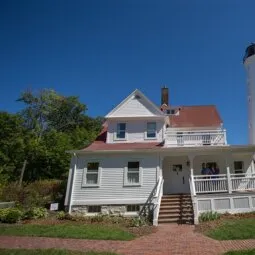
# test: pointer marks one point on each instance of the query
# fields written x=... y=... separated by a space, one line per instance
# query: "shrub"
x=37 y=194
x=10 y=215
x=61 y=215
x=36 y=213
x=208 y=216
x=138 y=222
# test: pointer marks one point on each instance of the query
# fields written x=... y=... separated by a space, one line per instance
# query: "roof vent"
x=137 y=97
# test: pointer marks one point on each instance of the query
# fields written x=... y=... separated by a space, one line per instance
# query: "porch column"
x=191 y=164
x=228 y=160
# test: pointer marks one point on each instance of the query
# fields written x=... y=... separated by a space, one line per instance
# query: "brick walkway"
x=169 y=239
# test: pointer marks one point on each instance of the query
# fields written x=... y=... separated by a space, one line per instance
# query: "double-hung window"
x=133 y=174
x=121 y=131
x=92 y=174
x=151 y=130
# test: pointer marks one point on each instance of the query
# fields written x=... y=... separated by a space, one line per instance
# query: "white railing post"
x=157 y=198
x=229 y=181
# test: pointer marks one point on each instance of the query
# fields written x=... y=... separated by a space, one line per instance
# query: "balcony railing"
x=195 y=138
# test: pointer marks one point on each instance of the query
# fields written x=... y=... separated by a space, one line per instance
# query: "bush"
x=138 y=222
x=10 y=215
x=61 y=215
x=37 y=194
x=36 y=213
x=208 y=216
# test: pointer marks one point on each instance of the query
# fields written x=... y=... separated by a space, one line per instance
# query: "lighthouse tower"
x=249 y=63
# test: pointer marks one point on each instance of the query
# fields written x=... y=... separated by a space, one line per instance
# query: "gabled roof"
x=141 y=101
x=196 y=116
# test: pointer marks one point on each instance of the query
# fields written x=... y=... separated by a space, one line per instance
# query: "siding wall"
x=136 y=131
x=134 y=108
x=112 y=189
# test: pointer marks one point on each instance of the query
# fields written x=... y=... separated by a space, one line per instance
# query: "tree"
x=12 y=146
x=54 y=124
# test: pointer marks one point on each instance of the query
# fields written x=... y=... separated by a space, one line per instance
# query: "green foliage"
x=37 y=194
x=242 y=252
x=61 y=215
x=138 y=222
x=12 y=146
x=36 y=213
x=208 y=216
x=10 y=215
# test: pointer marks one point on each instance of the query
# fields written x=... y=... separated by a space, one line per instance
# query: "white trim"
x=135 y=92
x=84 y=175
x=146 y=131
x=115 y=138
x=111 y=201
x=72 y=183
x=126 y=183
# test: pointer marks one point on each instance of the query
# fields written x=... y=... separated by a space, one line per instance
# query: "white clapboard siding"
x=112 y=180
x=135 y=107
x=135 y=131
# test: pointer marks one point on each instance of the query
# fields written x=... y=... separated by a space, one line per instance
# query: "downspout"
x=72 y=182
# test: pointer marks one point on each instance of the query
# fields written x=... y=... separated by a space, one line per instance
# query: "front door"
x=176 y=177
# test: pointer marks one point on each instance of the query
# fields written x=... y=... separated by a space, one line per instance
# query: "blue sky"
x=103 y=50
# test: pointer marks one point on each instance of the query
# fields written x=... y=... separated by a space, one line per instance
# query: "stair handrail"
x=157 y=197
x=193 y=198
x=160 y=179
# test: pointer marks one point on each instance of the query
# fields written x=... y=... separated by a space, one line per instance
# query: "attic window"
x=137 y=97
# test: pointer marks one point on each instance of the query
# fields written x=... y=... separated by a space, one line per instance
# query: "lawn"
x=233 y=229
x=82 y=231
x=49 y=252
x=244 y=252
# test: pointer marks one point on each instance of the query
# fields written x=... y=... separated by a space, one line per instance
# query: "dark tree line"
x=39 y=135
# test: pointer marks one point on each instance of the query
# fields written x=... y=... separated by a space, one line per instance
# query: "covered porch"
x=182 y=170
x=230 y=190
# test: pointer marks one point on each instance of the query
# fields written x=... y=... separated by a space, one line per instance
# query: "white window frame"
x=84 y=180
x=116 y=133
x=126 y=182
x=146 y=132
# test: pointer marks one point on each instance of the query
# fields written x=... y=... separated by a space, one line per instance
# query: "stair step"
x=176 y=200
x=176 y=208
x=175 y=220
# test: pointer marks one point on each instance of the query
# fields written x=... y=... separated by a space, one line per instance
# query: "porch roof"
x=156 y=147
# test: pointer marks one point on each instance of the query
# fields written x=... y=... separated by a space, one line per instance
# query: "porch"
x=231 y=190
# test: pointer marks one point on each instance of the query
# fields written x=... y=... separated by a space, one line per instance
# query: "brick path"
x=170 y=239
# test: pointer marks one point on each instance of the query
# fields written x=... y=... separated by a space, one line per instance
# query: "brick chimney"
x=164 y=96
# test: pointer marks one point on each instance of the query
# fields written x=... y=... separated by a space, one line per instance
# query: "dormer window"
x=151 y=130
x=121 y=131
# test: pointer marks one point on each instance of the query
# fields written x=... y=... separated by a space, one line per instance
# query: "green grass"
x=244 y=252
x=49 y=252
x=234 y=229
x=99 y=232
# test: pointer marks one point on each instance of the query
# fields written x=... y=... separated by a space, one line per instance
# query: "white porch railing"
x=223 y=183
x=208 y=184
x=157 y=198
x=241 y=182
x=195 y=138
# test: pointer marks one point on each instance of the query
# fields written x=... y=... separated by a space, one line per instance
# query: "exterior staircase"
x=176 y=208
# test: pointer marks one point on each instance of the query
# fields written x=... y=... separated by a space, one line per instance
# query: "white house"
x=148 y=159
